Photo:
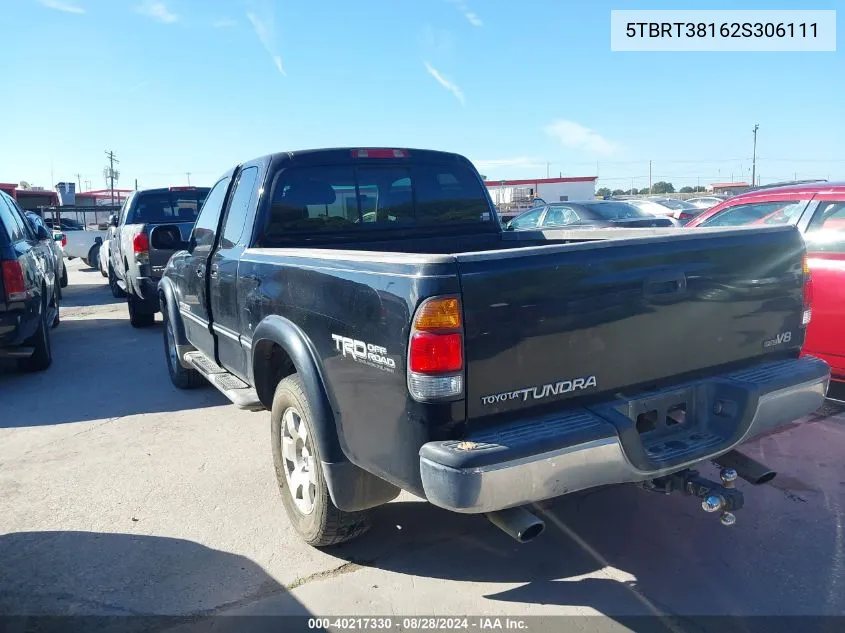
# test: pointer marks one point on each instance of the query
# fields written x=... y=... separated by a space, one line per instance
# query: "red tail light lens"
x=13 y=281
x=141 y=243
x=379 y=153
x=64 y=240
x=435 y=353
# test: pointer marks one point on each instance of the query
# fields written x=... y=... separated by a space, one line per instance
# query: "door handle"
x=201 y=272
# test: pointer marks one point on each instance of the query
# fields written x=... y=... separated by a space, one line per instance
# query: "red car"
x=818 y=210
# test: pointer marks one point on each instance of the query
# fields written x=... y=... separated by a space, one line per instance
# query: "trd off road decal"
x=363 y=352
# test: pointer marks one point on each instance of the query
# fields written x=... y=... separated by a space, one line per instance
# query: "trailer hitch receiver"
x=715 y=497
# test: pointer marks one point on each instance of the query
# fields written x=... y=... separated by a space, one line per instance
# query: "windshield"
x=615 y=211
x=346 y=198
x=158 y=207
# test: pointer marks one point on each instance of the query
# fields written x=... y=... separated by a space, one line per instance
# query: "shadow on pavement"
x=626 y=552
x=99 y=574
x=102 y=368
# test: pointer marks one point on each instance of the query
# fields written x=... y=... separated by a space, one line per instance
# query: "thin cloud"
x=459 y=95
x=157 y=11
x=576 y=136
x=265 y=30
x=470 y=15
x=58 y=5
x=224 y=23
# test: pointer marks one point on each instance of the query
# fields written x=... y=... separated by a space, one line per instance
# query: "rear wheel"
x=137 y=317
x=299 y=472
x=57 y=300
x=179 y=376
x=42 y=357
x=93 y=256
x=116 y=290
x=63 y=282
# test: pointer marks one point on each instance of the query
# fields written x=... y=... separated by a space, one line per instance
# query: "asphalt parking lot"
x=121 y=495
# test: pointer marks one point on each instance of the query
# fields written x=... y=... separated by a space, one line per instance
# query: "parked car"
x=29 y=289
x=481 y=369
x=103 y=254
x=705 y=202
x=818 y=210
x=56 y=247
x=682 y=211
x=590 y=214
x=150 y=227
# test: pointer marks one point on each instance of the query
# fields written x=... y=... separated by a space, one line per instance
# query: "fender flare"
x=351 y=487
x=170 y=310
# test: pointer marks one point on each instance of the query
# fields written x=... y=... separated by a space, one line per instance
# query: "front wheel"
x=179 y=376
x=299 y=472
x=116 y=291
x=93 y=256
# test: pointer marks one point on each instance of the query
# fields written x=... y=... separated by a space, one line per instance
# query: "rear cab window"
x=349 y=200
x=159 y=207
x=826 y=231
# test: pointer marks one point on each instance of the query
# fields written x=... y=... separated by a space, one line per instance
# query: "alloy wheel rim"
x=298 y=460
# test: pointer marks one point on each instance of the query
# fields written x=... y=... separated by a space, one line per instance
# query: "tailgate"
x=550 y=323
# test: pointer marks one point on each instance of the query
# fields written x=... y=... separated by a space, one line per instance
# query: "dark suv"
x=29 y=289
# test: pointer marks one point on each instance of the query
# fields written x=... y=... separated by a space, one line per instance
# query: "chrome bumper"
x=461 y=476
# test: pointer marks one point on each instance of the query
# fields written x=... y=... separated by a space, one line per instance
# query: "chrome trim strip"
x=220 y=329
x=193 y=317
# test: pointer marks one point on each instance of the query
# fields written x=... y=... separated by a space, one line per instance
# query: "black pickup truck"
x=402 y=340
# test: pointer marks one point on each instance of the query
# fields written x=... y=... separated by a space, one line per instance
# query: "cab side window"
x=826 y=233
x=205 y=229
x=239 y=206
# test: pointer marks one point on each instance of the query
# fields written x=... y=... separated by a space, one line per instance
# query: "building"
x=512 y=195
x=102 y=197
x=30 y=198
x=729 y=188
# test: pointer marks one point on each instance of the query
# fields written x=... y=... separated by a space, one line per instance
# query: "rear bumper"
x=528 y=461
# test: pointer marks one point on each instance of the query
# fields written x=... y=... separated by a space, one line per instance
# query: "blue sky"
x=176 y=86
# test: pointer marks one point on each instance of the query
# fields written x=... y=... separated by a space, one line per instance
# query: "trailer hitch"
x=715 y=497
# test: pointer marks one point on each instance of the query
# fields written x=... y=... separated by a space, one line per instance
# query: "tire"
x=136 y=317
x=116 y=290
x=42 y=357
x=324 y=524
x=63 y=282
x=180 y=377
x=57 y=303
x=93 y=256
x=103 y=271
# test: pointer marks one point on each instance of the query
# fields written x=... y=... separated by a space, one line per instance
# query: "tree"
x=631 y=192
x=604 y=192
x=483 y=177
x=699 y=189
x=618 y=192
x=686 y=190
x=663 y=187
x=644 y=191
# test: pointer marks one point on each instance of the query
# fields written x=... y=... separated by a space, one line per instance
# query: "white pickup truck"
x=80 y=241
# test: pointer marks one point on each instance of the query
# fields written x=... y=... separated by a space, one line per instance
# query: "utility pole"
x=754 y=155
x=79 y=181
x=136 y=184
x=649 y=177
x=111 y=174
x=547 y=173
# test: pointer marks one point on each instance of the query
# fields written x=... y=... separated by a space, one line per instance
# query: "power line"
x=110 y=173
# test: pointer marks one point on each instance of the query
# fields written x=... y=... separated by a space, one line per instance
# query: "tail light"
x=13 y=282
x=64 y=240
x=141 y=247
x=436 y=351
x=807 y=314
x=379 y=153
x=686 y=216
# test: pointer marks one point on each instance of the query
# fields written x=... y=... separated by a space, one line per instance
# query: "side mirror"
x=113 y=219
x=41 y=233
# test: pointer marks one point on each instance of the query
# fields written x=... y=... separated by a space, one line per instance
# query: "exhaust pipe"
x=749 y=469
x=518 y=523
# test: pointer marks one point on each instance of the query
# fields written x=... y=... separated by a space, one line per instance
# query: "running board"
x=241 y=394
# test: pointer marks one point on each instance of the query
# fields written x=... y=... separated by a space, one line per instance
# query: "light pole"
x=754 y=158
